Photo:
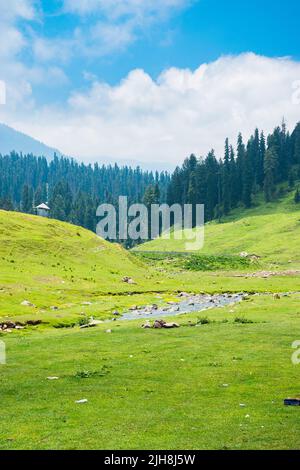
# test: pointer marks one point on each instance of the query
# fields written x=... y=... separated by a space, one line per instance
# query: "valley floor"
x=220 y=385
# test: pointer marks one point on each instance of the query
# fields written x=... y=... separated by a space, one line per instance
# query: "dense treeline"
x=72 y=190
x=259 y=165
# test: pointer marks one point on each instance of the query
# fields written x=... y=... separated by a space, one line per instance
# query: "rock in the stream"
x=116 y=313
x=175 y=309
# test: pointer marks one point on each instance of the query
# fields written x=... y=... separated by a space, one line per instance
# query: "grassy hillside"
x=53 y=264
x=271 y=231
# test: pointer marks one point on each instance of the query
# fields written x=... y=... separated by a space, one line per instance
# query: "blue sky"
x=200 y=31
x=129 y=67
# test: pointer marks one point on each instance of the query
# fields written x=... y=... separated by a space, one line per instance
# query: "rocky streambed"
x=186 y=303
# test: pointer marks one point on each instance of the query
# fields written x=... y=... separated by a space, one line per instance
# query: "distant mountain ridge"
x=12 y=140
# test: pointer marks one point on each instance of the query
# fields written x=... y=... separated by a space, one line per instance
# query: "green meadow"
x=217 y=382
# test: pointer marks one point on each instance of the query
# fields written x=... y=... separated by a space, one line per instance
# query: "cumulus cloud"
x=167 y=119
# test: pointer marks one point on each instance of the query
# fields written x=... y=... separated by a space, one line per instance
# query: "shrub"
x=203 y=321
x=242 y=320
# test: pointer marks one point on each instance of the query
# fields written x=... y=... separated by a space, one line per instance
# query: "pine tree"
x=291 y=178
x=226 y=183
x=270 y=166
x=261 y=160
x=212 y=179
x=58 y=208
x=297 y=196
x=247 y=178
x=27 y=199
x=38 y=196
x=240 y=165
x=295 y=144
x=233 y=179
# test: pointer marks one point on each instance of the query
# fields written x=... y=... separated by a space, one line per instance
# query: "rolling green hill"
x=54 y=264
x=271 y=231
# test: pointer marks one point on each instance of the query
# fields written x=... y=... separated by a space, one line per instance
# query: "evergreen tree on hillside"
x=175 y=189
x=292 y=178
x=274 y=143
x=271 y=163
x=27 y=199
x=234 y=184
x=295 y=144
x=257 y=164
x=38 y=197
x=297 y=196
x=58 y=208
x=248 y=180
x=211 y=184
x=261 y=159
x=6 y=203
x=226 y=180
x=240 y=165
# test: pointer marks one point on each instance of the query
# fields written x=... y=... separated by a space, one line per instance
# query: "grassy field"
x=150 y=389
x=157 y=389
x=271 y=231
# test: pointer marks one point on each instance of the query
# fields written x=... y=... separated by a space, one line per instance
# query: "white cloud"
x=115 y=9
x=115 y=24
x=13 y=9
x=12 y=40
x=181 y=112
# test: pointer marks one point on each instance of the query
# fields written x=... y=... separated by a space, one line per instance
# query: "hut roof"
x=43 y=206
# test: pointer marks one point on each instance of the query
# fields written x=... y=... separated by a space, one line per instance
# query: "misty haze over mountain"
x=13 y=140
